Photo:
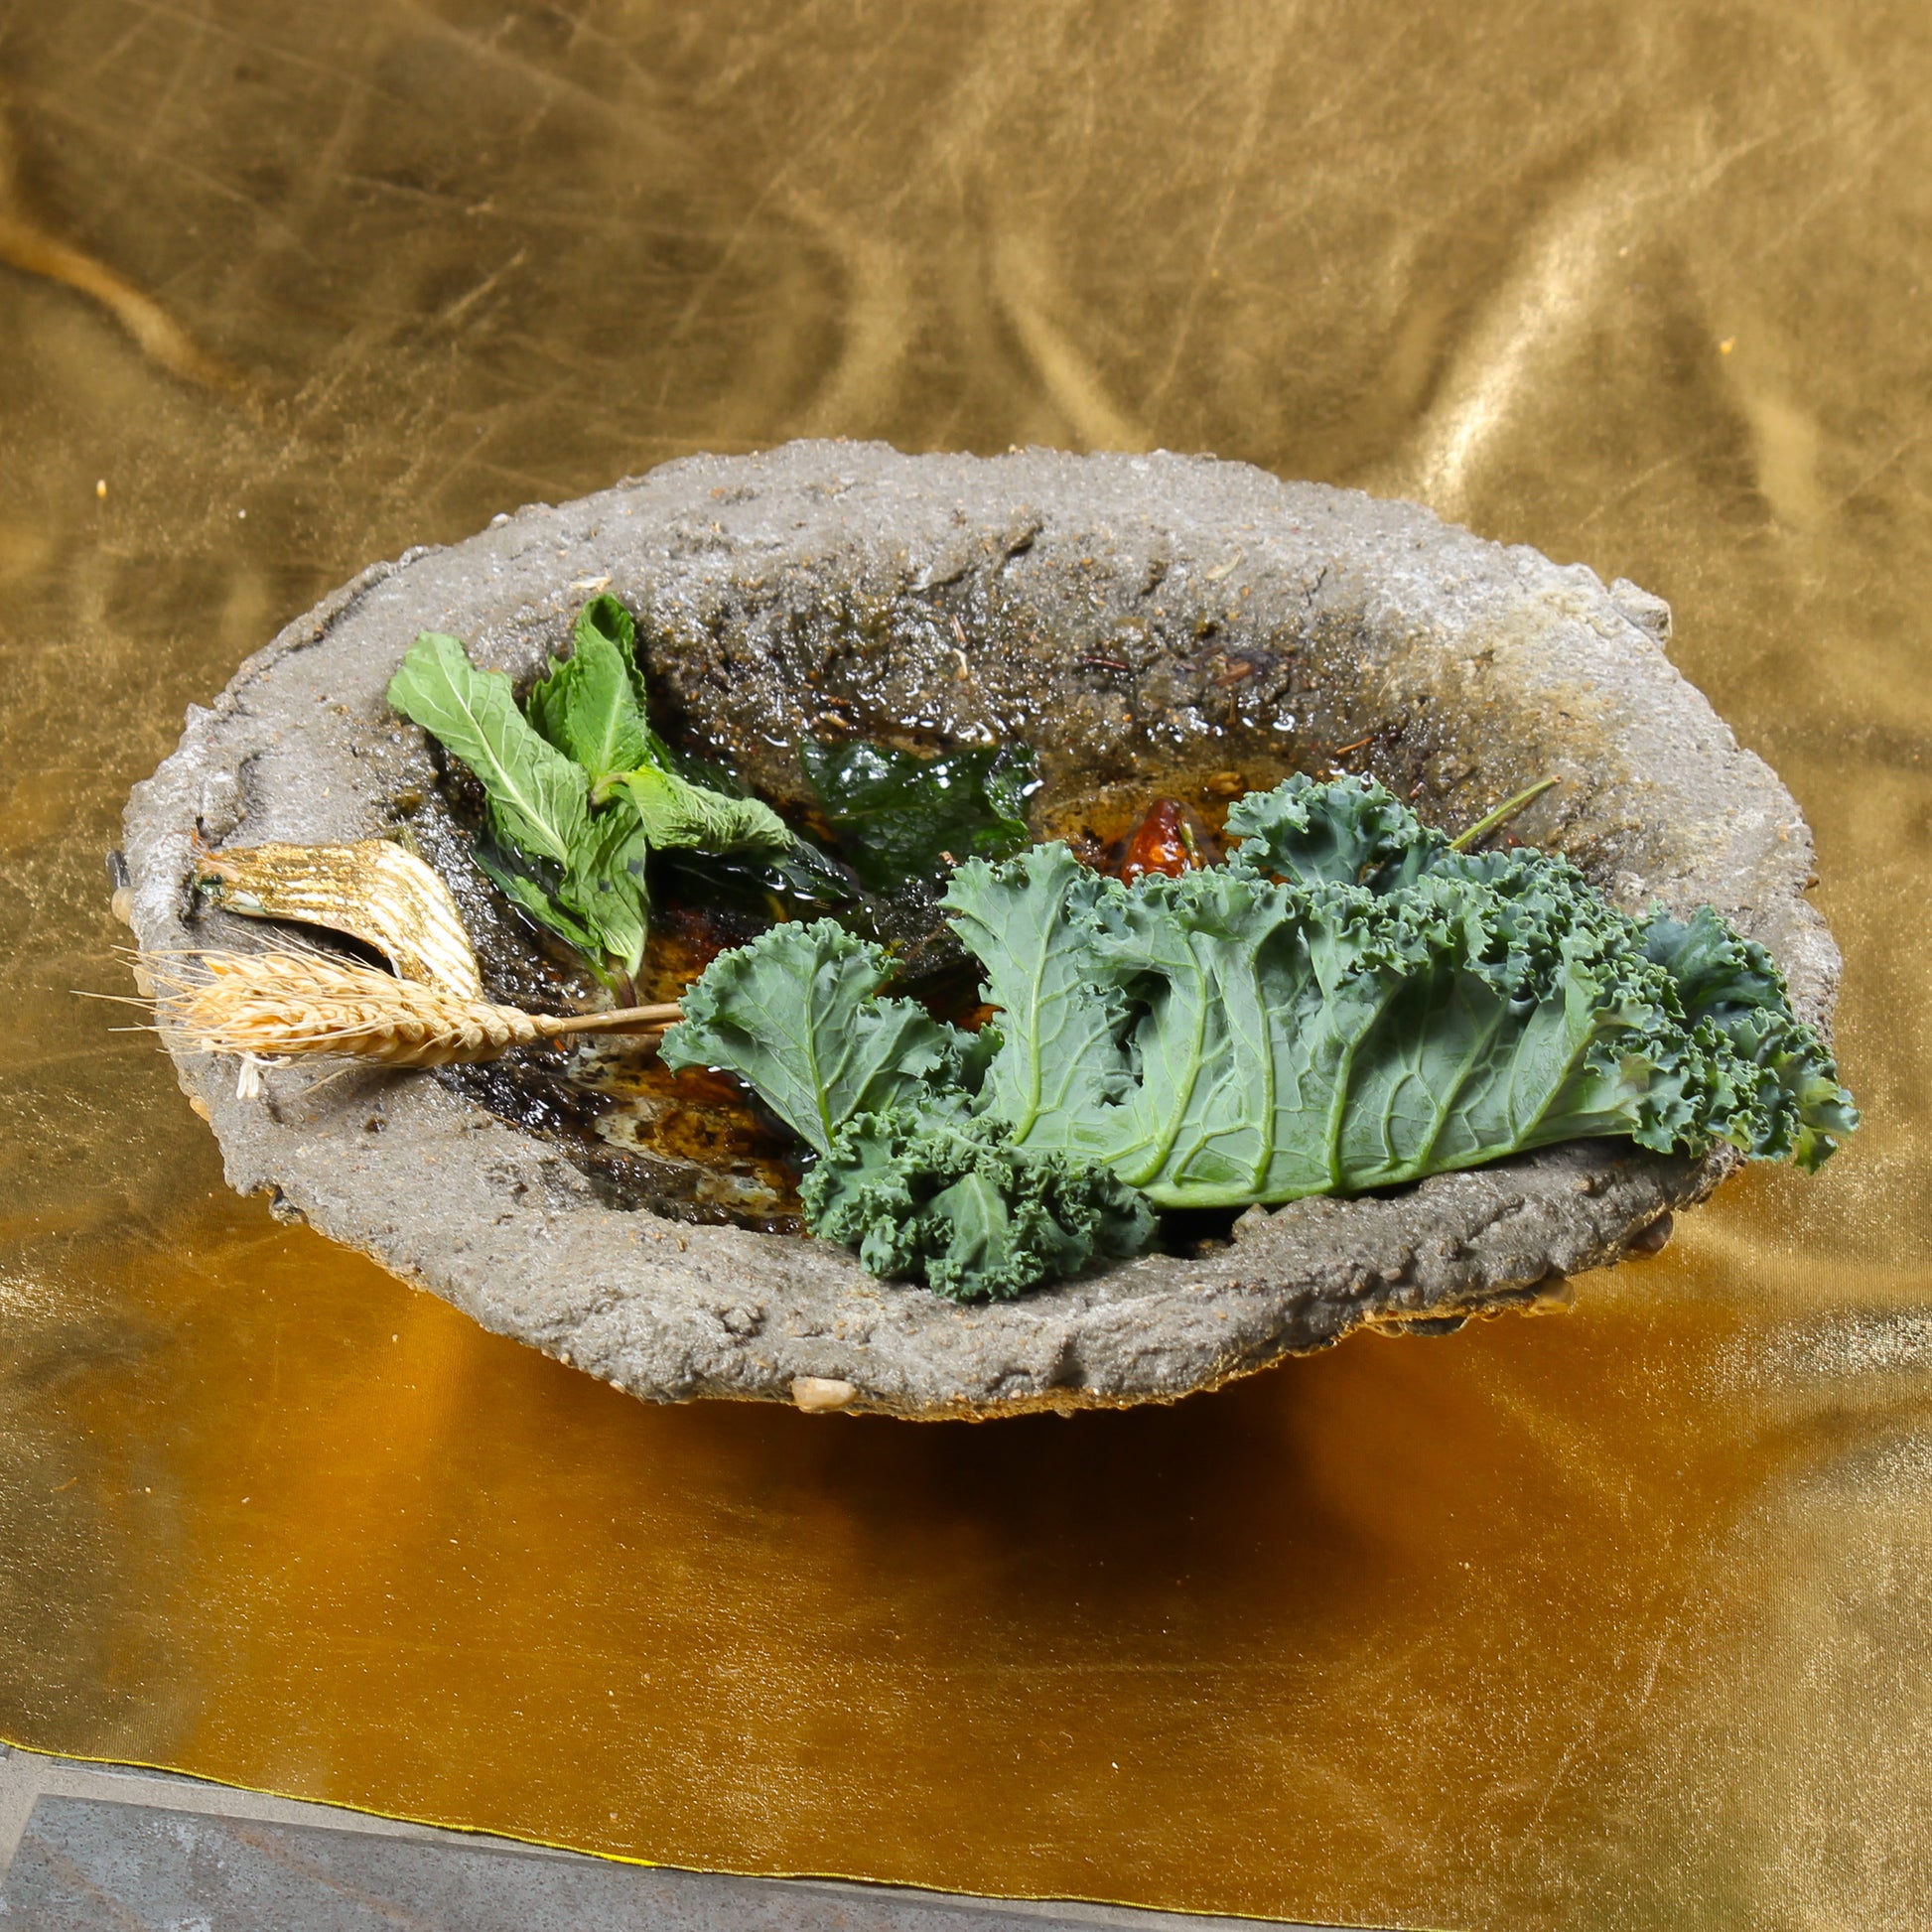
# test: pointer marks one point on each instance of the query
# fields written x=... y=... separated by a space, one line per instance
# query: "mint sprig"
x=579 y=789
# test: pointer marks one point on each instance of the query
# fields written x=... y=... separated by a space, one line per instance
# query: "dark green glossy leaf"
x=901 y=818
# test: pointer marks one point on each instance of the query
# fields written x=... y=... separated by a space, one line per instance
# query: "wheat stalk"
x=277 y=1005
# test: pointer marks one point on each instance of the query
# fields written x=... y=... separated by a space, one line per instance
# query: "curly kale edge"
x=960 y=1206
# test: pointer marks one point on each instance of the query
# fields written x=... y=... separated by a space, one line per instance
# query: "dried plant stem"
x=276 y=1005
x=1481 y=830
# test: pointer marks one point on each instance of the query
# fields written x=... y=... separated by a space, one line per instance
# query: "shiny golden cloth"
x=1617 y=1619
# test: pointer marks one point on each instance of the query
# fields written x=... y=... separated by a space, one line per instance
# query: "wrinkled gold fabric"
x=1616 y=1620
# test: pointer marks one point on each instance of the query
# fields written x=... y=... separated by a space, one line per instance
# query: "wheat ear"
x=273 y=1005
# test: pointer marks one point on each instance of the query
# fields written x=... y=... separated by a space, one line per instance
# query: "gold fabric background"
x=1621 y=1620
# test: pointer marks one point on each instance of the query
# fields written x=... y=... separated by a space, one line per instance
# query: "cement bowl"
x=1140 y=620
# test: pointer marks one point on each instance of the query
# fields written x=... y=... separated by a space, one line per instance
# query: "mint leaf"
x=580 y=792
x=795 y=1014
x=604 y=884
x=604 y=619
x=543 y=906
x=587 y=706
x=898 y=816
x=674 y=812
x=538 y=798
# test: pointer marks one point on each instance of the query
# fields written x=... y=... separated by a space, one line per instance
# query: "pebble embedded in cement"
x=817 y=1394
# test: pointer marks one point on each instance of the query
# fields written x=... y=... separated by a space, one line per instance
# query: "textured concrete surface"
x=97 y=1849
x=1128 y=616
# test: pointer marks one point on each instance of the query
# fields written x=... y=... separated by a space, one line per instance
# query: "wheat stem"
x=279 y=1005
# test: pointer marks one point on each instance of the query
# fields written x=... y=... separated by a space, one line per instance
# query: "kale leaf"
x=1350 y=1003
x=963 y=1206
x=1729 y=985
x=1060 y=1063
x=909 y=1173
x=1291 y=1031
x=794 y=1013
x=1347 y=832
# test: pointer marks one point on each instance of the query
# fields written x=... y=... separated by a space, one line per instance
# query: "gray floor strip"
x=85 y=1847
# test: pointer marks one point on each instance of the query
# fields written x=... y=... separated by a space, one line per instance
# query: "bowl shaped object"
x=1139 y=619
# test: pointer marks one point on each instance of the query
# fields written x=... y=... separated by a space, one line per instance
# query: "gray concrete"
x=1128 y=616
x=85 y=1847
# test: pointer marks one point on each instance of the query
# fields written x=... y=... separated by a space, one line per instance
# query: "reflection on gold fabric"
x=1621 y=1619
